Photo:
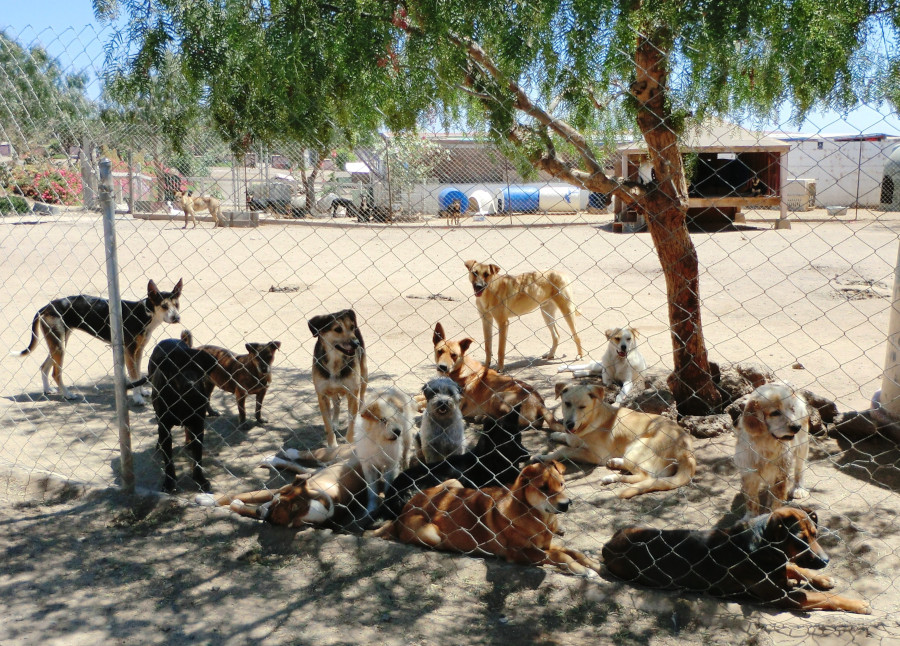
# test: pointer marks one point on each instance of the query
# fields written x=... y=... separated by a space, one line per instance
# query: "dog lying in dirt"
x=763 y=559
x=350 y=485
x=517 y=524
x=486 y=391
x=656 y=452
x=494 y=461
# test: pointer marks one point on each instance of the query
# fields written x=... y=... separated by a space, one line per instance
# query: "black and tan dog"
x=518 y=523
x=762 y=559
x=179 y=375
x=339 y=368
x=243 y=374
x=90 y=314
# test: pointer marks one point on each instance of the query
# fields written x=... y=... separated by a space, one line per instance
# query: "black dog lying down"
x=178 y=374
x=494 y=461
x=764 y=559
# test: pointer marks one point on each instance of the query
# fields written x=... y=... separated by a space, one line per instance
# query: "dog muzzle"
x=347 y=348
x=622 y=353
x=478 y=288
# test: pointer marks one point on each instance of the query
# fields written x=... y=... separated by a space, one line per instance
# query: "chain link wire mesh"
x=795 y=234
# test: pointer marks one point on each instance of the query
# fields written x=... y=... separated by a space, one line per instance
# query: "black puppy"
x=494 y=461
x=179 y=376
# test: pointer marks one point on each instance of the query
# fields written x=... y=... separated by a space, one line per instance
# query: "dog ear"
x=176 y=291
x=275 y=344
x=776 y=530
x=597 y=392
x=469 y=264
x=634 y=332
x=610 y=333
x=560 y=387
x=349 y=313
x=318 y=323
x=559 y=466
x=753 y=418
x=427 y=390
x=494 y=269
x=438 y=334
x=153 y=293
x=252 y=348
x=464 y=345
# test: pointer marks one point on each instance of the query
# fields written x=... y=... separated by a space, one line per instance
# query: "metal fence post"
x=115 y=316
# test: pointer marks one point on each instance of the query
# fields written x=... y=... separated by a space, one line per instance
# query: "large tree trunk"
x=665 y=209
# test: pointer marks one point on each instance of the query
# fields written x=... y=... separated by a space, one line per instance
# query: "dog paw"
x=548 y=355
x=800 y=493
x=70 y=396
x=823 y=582
x=615 y=463
x=289 y=454
x=559 y=437
x=205 y=500
x=145 y=391
x=236 y=505
x=137 y=400
x=610 y=479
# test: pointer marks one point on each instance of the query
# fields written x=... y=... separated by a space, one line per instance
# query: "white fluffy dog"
x=772 y=446
x=622 y=363
x=383 y=448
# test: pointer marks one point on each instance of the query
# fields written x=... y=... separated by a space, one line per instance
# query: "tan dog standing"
x=244 y=374
x=190 y=205
x=339 y=368
x=486 y=391
x=655 y=451
x=517 y=524
x=772 y=446
x=500 y=297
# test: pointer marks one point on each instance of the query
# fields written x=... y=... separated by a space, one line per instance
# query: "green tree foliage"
x=554 y=82
x=40 y=103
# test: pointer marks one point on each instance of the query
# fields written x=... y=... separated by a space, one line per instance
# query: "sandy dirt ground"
x=85 y=564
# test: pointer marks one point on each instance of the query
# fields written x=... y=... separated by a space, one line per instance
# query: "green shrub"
x=13 y=204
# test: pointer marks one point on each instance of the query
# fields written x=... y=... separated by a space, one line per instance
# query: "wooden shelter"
x=729 y=168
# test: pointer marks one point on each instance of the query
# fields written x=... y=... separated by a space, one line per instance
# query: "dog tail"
x=136 y=384
x=34 y=338
x=686 y=469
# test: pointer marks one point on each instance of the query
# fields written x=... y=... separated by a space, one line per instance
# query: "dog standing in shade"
x=244 y=374
x=339 y=369
x=442 y=432
x=772 y=446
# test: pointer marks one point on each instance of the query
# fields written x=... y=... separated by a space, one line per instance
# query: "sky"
x=69 y=32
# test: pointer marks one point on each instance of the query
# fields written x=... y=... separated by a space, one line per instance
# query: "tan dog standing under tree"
x=500 y=297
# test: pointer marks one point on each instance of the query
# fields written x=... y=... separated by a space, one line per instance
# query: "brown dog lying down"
x=486 y=391
x=516 y=524
x=244 y=374
x=762 y=559
x=311 y=498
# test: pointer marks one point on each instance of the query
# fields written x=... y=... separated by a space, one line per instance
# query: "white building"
x=848 y=169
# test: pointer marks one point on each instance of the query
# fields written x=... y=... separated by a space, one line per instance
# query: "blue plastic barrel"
x=449 y=195
x=524 y=199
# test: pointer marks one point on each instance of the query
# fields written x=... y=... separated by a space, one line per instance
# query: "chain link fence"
x=797 y=243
